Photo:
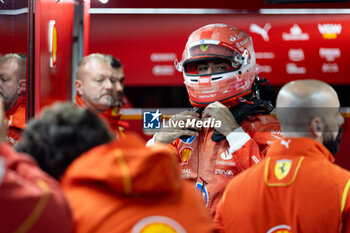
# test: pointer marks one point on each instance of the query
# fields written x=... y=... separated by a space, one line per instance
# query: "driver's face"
x=212 y=67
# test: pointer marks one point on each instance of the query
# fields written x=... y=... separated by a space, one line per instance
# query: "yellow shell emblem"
x=157 y=224
x=185 y=154
x=158 y=228
x=282 y=168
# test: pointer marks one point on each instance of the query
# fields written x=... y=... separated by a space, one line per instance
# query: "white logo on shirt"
x=226 y=155
x=286 y=144
x=223 y=172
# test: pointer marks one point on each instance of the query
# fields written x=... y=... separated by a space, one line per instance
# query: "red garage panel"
x=53 y=51
x=288 y=47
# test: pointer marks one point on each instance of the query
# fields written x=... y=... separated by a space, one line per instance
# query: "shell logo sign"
x=52 y=43
x=158 y=227
x=157 y=224
x=280 y=229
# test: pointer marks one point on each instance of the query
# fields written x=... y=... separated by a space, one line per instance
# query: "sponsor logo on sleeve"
x=255 y=159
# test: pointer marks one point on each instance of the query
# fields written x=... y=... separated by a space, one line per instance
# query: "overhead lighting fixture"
x=103 y=1
x=163 y=11
x=293 y=11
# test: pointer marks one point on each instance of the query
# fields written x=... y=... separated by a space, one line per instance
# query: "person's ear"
x=78 y=87
x=317 y=127
x=22 y=87
x=3 y=124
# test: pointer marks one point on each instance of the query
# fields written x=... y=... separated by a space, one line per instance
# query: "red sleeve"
x=30 y=200
x=247 y=155
x=265 y=139
x=263 y=129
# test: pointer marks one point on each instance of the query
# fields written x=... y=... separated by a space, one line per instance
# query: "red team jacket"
x=30 y=200
x=111 y=116
x=296 y=188
x=211 y=165
x=16 y=121
x=124 y=187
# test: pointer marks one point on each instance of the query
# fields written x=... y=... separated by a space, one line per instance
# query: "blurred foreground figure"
x=13 y=91
x=296 y=188
x=119 y=186
x=100 y=88
x=30 y=200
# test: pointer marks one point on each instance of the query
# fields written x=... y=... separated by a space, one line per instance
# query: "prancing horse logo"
x=282 y=168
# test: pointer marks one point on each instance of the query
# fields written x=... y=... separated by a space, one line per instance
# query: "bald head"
x=88 y=63
x=17 y=63
x=308 y=93
x=306 y=105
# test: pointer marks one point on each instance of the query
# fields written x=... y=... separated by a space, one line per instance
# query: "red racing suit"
x=116 y=126
x=296 y=188
x=16 y=121
x=211 y=165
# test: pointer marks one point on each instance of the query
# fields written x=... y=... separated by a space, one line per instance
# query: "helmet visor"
x=206 y=59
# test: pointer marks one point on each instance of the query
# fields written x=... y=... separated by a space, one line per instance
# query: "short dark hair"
x=61 y=134
x=114 y=62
